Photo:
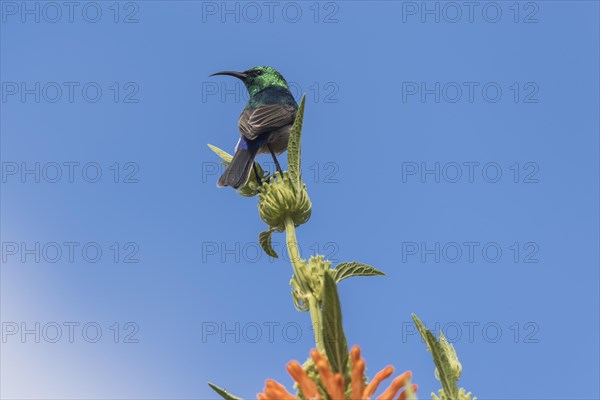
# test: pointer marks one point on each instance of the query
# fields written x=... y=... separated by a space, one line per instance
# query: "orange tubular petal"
x=275 y=390
x=357 y=382
x=404 y=395
x=355 y=353
x=327 y=378
x=396 y=385
x=316 y=355
x=374 y=384
x=339 y=387
x=262 y=396
x=307 y=386
x=358 y=371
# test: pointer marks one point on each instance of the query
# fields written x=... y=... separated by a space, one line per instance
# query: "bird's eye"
x=258 y=73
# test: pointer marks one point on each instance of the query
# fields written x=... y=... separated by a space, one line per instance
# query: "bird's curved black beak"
x=239 y=75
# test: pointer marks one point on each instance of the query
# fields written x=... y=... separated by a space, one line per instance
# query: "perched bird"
x=264 y=125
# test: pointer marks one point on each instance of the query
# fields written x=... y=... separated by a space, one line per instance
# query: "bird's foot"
x=275 y=159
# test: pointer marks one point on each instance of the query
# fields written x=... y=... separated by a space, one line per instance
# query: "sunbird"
x=264 y=125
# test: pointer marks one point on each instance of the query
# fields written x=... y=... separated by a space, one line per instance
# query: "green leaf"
x=225 y=156
x=353 y=268
x=294 y=143
x=223 y=393
x=264 y=238
x=441 y=359
x=334 y=340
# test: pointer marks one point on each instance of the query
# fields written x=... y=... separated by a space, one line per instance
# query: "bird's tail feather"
x=238 y=170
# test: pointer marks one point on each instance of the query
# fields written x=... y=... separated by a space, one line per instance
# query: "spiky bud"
x=281 y=197
x=317 y=266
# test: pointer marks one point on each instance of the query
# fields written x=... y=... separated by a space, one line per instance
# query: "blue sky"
x=454 y=147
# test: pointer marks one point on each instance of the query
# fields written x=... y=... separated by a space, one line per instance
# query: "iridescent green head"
x=258 y=78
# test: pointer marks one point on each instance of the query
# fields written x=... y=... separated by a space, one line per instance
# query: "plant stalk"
x=297 y=263
x=315 y=315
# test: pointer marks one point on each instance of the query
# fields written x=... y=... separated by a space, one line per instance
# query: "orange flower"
x=334 y=382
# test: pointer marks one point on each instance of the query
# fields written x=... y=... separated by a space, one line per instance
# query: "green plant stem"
x=297 y=264
x=292 y=246
x=315 y=315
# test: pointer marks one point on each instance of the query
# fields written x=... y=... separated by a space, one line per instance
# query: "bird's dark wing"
x=265 y=118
